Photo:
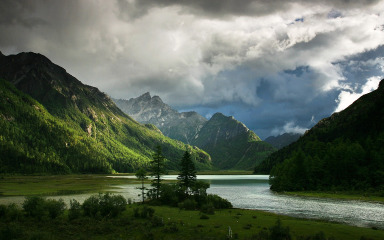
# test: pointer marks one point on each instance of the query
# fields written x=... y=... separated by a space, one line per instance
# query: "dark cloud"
x=225 y=8
x=275 y=65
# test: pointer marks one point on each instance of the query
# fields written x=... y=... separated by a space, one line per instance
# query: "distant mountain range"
x=52 y=123
x=229 y=142
x=146 y=109
x=342 y=152
x=283 y=140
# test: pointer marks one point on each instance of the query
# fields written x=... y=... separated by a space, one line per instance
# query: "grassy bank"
x=360 y=196
x=58 y=184
x=173 y=223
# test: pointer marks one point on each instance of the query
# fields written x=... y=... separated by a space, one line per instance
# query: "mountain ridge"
x=229 y=142
x=123 y=143
x=343 y=151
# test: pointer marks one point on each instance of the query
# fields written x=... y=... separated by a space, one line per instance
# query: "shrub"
x=218 y=202
x=208 y=208
x=157 y=221
x=55 y=208
x=106 y=205
x=278 y=232
x=10 y=212
x=91 y=206
x=188 y=204
x=171 y=227
x=11 y=231
x=112 y=205
x=74 y=211
x=35 y=207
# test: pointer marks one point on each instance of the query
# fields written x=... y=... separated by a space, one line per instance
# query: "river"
x=252 y=192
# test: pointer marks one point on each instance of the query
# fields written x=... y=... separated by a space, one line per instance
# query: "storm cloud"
x=275 y=65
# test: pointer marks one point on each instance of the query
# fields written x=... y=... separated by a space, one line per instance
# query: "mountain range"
x=229 y=142
x=342 y=152
x=51 y=122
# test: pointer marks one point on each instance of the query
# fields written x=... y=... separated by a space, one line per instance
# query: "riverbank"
x=173 y=223
x=358 y=196
x=56 y=185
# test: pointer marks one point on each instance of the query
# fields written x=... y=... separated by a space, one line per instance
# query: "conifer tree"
x=187 y=176
x=157 y=169
x=141 y=174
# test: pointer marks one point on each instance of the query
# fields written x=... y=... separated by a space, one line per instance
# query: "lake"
x=252 y=192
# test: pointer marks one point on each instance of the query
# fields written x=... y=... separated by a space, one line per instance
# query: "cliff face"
x=146 y=109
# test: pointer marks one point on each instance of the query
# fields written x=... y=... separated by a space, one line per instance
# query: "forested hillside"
x=231 y=144
x=61 y=125
x=344 y=151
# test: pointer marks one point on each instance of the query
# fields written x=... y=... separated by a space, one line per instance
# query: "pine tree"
x=141 y=174
x=157 y=169
x=187 y=176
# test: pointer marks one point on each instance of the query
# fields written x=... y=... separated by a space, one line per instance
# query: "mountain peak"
x=145 y=97
x=381 y=85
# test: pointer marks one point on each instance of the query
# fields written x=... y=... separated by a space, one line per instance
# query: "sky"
x=276 y=65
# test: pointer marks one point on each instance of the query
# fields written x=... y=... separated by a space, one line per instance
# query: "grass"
x=360 y=196
x=181 y=224
x=58 y=184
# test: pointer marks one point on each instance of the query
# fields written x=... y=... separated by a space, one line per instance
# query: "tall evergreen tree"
x=157 y=169
x=187 y=176
x=141 y=174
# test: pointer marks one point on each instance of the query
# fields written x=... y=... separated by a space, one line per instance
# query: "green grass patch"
x=173 y=223
x=58 y=185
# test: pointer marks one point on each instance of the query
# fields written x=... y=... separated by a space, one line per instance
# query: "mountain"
x=283 y=140
x=74 y=127
x=342 y=152
x=231 y=144
x=146 y=109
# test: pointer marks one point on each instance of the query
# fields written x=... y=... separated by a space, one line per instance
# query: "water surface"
x=252 y=192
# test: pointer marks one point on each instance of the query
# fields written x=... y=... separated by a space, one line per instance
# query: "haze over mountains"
x=229 y=142
x=55 y=124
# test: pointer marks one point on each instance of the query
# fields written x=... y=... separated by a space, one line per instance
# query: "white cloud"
x=347 y=97
x=289 y=127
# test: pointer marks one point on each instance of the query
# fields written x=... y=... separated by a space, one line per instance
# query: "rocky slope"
x=116 y=141
x=283 y=140
x=146 y=109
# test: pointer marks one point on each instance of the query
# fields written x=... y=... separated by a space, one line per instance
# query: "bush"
x=35 y=207
x=157 y=222
x=278 y=232
x=10 y=212
x=171 y=227
x=91 y=206
x=143 y=212
x=112 y=205
x=11 y=231
x=106 y=205
x=55 y=208
x=218 y=202
x=188 y=204
x=74 y=211
x=208 y=208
